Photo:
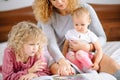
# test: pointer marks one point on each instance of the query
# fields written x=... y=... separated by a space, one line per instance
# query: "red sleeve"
x=8 y=67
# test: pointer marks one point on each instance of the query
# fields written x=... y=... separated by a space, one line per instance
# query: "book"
x=44 y=78
x=71 y=77
x=57 y=77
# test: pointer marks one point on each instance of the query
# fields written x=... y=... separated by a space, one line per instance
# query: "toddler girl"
x=81 y=33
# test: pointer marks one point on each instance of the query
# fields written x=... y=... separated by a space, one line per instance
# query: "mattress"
x=111 y=48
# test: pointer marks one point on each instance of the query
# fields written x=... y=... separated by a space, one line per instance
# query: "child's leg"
x=71 y=57
x=84 y=59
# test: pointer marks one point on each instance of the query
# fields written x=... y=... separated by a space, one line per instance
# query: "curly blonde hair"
x=22 y=33
x=43 y=9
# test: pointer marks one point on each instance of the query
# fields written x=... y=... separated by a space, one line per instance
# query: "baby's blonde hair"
x=22 y=33
x=81 y=11
x=43 y=9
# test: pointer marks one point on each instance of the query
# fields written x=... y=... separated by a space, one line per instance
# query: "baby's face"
x=81 y=23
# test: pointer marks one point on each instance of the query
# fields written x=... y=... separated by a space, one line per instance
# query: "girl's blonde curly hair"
x=43 y=9
x=22 y=33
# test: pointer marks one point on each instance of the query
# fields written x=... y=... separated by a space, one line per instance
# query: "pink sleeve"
x=8 y=67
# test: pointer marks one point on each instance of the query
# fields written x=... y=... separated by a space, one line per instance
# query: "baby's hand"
x=95 y=67
x=38 y=66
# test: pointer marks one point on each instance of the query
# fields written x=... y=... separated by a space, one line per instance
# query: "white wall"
x=103 y=1
x=15 y=4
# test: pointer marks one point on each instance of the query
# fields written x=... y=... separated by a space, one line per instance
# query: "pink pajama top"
x=13 y=70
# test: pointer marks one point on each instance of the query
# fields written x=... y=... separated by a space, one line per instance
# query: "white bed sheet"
x=111 y=48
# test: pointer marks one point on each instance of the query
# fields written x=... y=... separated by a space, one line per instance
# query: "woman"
x=55 y=18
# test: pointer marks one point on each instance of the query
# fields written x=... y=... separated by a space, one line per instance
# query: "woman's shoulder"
x=86 y=5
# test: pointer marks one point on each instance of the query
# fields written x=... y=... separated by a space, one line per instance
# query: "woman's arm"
x=52 y=42
x=55 y=51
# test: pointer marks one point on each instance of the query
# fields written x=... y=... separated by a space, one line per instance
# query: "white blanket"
x=111 y=48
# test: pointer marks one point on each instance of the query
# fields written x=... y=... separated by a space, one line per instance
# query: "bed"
x=109 y=16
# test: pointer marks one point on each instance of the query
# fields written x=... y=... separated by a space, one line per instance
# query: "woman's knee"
x=108 y=65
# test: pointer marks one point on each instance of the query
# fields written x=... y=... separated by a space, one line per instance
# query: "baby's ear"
x=89 y=20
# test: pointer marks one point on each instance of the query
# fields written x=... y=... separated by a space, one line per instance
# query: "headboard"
x=10 y=18
x=109 y=16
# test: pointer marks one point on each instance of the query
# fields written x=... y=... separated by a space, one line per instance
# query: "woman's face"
x=59 y=4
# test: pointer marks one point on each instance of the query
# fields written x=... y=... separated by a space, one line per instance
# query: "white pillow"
x=2 y=48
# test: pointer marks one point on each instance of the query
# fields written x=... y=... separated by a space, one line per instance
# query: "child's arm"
x=42 y=66
x=38 y=66
x=28 y=76
x=65 y=47
x=8 y=67
x=98 y=55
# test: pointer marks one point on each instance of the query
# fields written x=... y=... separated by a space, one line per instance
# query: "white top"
x=88 y=37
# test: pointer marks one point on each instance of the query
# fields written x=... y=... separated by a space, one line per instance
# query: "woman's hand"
x=65 y=68
x=38 y=66
x=28 y=76
x=76 y=45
